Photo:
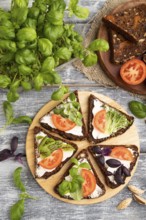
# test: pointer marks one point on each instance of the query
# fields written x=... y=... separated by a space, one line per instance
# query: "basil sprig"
x=138 y=109
x=17 y=210
x=70 y=109
x=74 y=186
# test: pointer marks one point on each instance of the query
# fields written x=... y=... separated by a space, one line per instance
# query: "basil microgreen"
x=70 y=109
x=74 y=185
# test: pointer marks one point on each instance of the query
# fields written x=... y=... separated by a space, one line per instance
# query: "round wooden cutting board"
x=113 y=70
x=129 y=137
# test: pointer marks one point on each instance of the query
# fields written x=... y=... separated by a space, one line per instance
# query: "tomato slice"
x=89 y=184
x=63 y=124
x=133 y=72
x=121 y=153
x=99 y=120
x=53 y=160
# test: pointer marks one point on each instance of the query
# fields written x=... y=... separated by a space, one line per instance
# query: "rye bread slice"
x=64 y=134
x=123 y=50
x=83 y=154
x=46 y=174
x=118 y=176
x=130 y=23
x=91 y=126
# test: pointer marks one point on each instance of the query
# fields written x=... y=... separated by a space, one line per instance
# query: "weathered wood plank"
x=49 y=208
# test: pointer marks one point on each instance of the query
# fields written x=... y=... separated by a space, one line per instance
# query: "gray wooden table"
x=48 y=207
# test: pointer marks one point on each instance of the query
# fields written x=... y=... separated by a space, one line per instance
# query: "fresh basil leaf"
x=12 y=95
x=72 y=96
x=17 y=210
x=63 y=53
x=85 y=165
x=48 y=64
x=138 y=109
x=90 y=59
x=74 y=160
x=64 y=187
x=26 y=85
x=73 y=171
x=99 y=45
x=38 y=82
x=22 y=119
x=75 y=186
x=8 y=111
x=5 y=154
x=58 y=94
x=45 y=46
x=17 y=179
x=4 y=81
x=81 y=12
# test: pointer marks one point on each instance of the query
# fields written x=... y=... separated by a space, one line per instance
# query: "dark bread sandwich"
x=115 y=161
x=51 y=153
x=80 y=181
x=105 y=121
x=130 y=23
x=66 y=119
x=123 y=50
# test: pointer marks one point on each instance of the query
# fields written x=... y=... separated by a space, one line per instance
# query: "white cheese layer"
x=77 y=130
x=98 y=106
x=40 y=171
x=96 y=193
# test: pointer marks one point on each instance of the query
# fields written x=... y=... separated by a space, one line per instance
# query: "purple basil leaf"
x=14 y=144
x=5 y=154
x=18 y=158
x=106 y=151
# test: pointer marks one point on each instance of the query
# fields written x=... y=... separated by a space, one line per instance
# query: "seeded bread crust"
x=123 y=50
x=81 y=154
x=48 y=174
x=90 y=119
x=130 y=23
x=64 y=134
x=103 y=169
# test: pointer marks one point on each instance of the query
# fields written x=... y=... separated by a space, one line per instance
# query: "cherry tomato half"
x=62 y=124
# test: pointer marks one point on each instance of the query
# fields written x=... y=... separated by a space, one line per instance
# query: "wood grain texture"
x=48 y=207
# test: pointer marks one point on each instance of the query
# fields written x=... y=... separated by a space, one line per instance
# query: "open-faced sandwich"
x=80 y=181
x=51 y=153
x=115 y=161
x=66 y=119
x=105 y=121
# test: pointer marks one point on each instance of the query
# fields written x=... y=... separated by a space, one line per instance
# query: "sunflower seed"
x=139 y=199
x=124 y=204
x=135 y=190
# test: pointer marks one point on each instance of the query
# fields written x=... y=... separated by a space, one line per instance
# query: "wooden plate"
x=111 y=69
x=129 y=137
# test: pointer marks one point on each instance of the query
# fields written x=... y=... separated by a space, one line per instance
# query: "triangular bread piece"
x=105 y=121
x=69 y=109
x=47 y=148
x=73 y=184
x=115 y=161
x=130 y=23
x=123 y=50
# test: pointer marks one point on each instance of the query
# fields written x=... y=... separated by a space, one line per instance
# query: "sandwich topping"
x=81 y=182
x=66 y=116
x=116 y=162
x=50 y=153
x=107 y=120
